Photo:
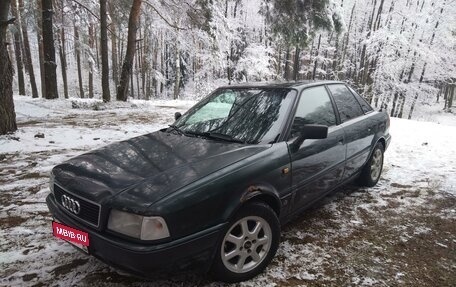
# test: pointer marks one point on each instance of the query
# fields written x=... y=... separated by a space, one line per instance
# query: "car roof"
x=289 y=84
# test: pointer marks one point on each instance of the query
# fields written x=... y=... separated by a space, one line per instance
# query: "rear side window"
x=314 y=108
x=346 y=103
x=364 y=104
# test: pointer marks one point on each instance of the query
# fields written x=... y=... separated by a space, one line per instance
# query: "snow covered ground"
x=401 y=232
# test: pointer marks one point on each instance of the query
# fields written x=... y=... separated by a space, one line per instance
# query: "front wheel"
x=373 y=168
x=248 y=245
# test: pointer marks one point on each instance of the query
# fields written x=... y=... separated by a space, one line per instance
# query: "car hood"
x=137 y=172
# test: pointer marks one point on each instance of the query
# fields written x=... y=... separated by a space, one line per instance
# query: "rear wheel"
x=248 y=244
x=373 y=168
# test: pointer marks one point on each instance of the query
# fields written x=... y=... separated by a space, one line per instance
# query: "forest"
x=80 y=76
x=400 y=55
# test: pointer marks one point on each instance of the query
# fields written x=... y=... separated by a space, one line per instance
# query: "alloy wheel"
x=246 y=244
x=376 y=164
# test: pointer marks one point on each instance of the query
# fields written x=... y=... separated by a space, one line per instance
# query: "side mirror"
x=309 y=132
x=314 y=132
x=177 y=115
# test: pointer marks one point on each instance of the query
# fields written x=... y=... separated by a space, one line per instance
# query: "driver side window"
x=314 y=107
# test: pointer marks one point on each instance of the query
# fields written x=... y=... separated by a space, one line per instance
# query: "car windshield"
x=239 y=115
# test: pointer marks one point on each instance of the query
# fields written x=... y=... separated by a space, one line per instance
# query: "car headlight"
x=138 y=226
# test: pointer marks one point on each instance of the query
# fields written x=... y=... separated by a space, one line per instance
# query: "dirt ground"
x=394 y=234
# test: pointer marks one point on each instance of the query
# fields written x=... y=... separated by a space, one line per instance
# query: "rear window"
x=364 y=104
x=347 y=105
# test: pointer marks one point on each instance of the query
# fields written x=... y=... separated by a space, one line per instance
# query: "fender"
x=262 y=191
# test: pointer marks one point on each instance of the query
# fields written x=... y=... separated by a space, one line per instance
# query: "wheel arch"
x=382 y=141
x=258 y=193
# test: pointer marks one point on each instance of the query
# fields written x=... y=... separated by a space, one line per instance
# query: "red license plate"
x=76 y=237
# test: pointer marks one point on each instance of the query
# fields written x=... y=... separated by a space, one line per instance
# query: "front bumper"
x=194 y=252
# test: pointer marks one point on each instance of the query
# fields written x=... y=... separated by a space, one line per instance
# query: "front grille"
x=89 y=211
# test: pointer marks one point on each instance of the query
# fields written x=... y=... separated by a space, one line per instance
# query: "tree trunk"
x=104 y=52
x=18 y=51
x=154 y=84
x=379 y=14
x=91 y=41
x=297 y=63
x=145 y=64
x=9 y=40
x=62 y=52
x=138 y=65
x=138 y=60
x=287 y=64
x=416 y=94
x=130 y=53
x=316 y=58
x=115 y=68
x=401 y=107
x=77 y=45
x=39 y=38
x=393 y=109
x=27 y=54
x=451 y=96
x=445 y=97
x=50 y=75
x=132 y=87
x=228 y=67
x=347 y=37
x=7 y=114
x=279 y=60
x=178 y=74
x=335 y=60
x=362 y=66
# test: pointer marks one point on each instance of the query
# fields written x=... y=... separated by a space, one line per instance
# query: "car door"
x=317 y=165
x=357 y=126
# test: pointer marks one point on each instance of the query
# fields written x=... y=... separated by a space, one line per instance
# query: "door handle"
x=340 y=140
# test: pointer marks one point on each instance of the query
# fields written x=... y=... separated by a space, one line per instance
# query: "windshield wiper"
x=216 y=136
x=219 y=136
x=224 y=137
x=177 y=129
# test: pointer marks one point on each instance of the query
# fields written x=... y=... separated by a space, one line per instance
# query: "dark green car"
x=213 y=189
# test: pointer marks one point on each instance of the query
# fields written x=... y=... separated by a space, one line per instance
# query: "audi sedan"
x=211 y=191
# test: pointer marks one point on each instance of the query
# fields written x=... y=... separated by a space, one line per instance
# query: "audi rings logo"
x=71 y=204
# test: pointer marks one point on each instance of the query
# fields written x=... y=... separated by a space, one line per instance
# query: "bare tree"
x=130 y=53
x=7 y=114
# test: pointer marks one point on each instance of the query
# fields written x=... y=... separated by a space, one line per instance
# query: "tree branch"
x=94 y=15
x=164 y=19
x=86 y=8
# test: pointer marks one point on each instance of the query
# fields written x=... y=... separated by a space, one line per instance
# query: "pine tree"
x=296 y=21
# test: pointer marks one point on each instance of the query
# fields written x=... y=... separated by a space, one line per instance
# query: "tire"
x=252 y=236
x=373 y=169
